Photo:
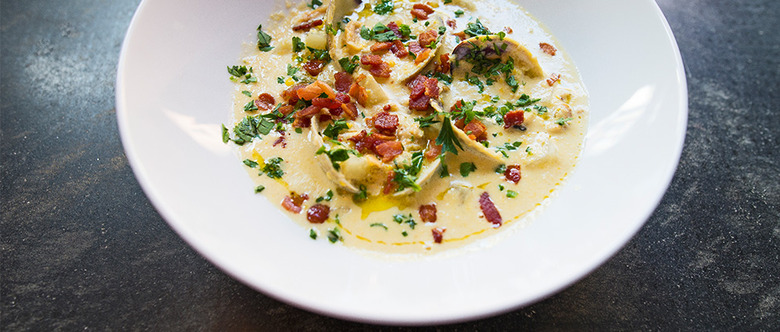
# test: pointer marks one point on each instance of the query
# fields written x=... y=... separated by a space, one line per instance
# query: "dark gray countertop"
x=81 y=247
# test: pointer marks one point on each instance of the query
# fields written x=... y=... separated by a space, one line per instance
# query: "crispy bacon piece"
x=452 y=24
x=308 y=112
x=281 y=140
x=291 y=94
x=318 y=213
x=423 y=89
x=553 y=79
x=370 y=59
x=514 y=118
x=508 y=29
x=475 y=129
x=381 y=47
x=419 y=13
x=326 y=103
x=489 y=209
x=343 y=81
x=547 y=48
x=423 y=56
x=512 y=173
x=415 y=48
x=314 y=90
x=343 y=98
x=302 y=122
x=427 y=37
x=395 y=29
x=350 y=110
x=399 y=49
x=265 y=102
x=386 y=123
x=314 y=67
x=461 y=35
x=434 y=150
x=359 y=93
x=293 y=202
x=438 y=234
x=286 y=109
x=306 y=26
x=444 y=64
x=364 y=142
x=427 y=212
x=389 y=150
x=381 y=70
x=427 y=9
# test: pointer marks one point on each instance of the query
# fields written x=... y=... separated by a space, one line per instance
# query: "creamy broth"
x=384 y=214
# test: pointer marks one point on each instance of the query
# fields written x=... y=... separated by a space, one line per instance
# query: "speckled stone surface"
x=81 y=247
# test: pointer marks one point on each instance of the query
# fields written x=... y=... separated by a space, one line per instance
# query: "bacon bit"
x=390 y=185
x=293 y=202
x=423 y=89
x=364 y=142
x=309 y=92
x=419 y=14
x=395 y=28
x=432 y=88
x=423 y=56
x=350 y=109
x=415 y=48
x=308 y=111
x=547 y=48
x=359 y=141
x=382 y=70
x=387 y=108
x=553 y=79
x=302 y=122
x=514 y=118
x=370 y=59
x=428 y=10
x=281 y=140
x=381 y=47
x=433 y=150
x=343 y=98
x=475 y=129
x=461 y=35
x=314 y=67
x=427 y=212
x=452 y=24
x=291 y=95
x=318 y=213
x=343 y=81
x=389 y=150
x=438 y=234
x=359 y=93
x=512 y=173
x=399 y=49
x=508 y=29
x=307 y=25
x=265 y=102
x=386 y=123
x=420 y=103
x=286 y=109
x=325 y=88
x=444 y=64
x=489 y=209
x=326 y=103
x=427 y=37
x=413 y=83
x=458 y=104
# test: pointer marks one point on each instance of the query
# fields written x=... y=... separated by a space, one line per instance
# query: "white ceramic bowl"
x=173 y=94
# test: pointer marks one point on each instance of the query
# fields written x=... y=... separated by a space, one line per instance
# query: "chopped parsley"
x=335 y=128
x=466 y=168
x=250 y=106
x=318 y=54
x=336 y=155
x=259 y=189
x=225 y=134
x=563 y=122
x=384 y=7
x=382 y=33
x=273 y=168
x=476 y=29
x=328 y=196
x=263 y=40
x=251 y=163
x=442 y=30
x=314 y=4
x=501 y=169
x=360 y=196
x=312 y=234
x=378 y=224
x=251 y=127
x=297 y=44
x=458 y=13
x=405 y=219
x=349 y=64
x=447 y=138
x=247 y=93
x=427 y=121
x=238 y=71
x=511 y=193
x=406 y=175
x=508 y=147
x=334 y=235
x=526 y=100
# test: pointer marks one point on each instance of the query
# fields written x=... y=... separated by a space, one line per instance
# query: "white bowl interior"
x=173 y=94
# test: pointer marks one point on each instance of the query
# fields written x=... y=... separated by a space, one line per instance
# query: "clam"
x=492 y=47
x=324 y=160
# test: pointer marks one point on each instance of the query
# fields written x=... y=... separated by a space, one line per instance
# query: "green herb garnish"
x=384 y=7
x=349 y=64
x=263 y=40
x=466 y=168
x=273 y=168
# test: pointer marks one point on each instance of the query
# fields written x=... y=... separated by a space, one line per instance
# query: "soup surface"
x=406 y=126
